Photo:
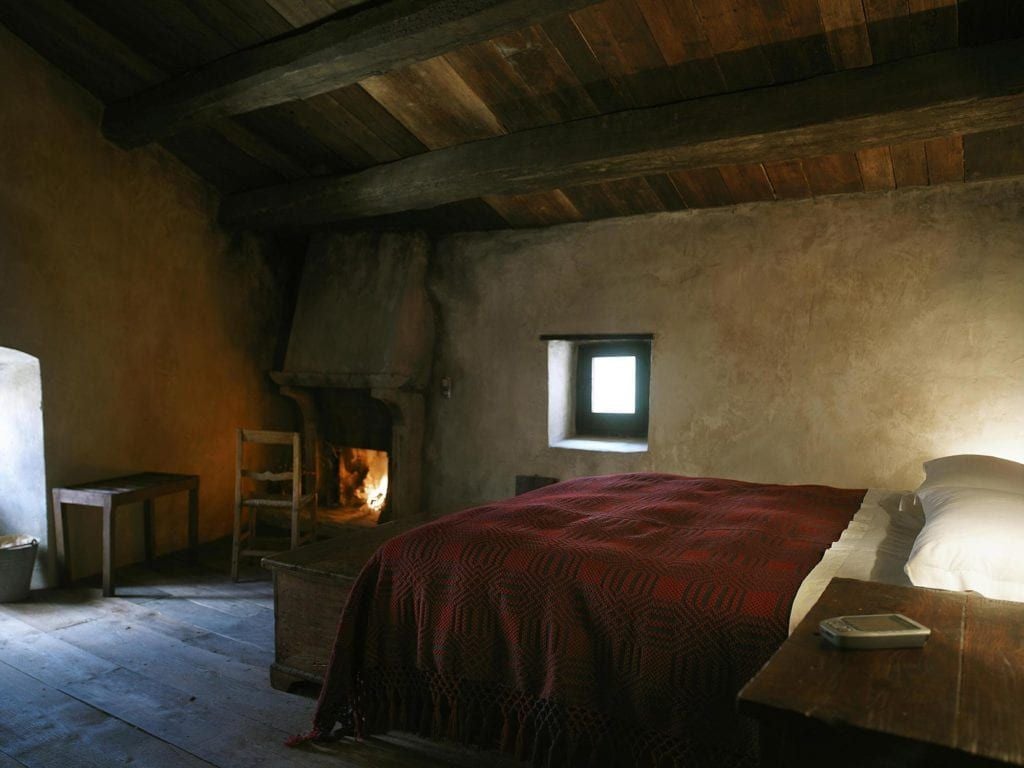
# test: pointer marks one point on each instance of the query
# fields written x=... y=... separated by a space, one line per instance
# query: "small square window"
x=599 y=391
x=613 y=384
x=612 y=388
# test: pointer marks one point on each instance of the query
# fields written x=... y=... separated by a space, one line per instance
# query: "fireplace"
x=365 y=447
x=357 y=366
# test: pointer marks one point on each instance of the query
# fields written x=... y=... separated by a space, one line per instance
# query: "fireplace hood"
x=363 y=318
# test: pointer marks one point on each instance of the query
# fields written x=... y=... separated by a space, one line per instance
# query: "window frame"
x=628 y=425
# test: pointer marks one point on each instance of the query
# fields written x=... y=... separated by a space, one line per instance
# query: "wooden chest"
x=311 y=586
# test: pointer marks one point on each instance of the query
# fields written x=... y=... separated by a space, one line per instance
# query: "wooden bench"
x=311 y=587
x=116 y=492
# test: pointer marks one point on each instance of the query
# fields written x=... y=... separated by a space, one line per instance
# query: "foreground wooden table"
x=959 y=701
x=116 y=492
x=311 y=587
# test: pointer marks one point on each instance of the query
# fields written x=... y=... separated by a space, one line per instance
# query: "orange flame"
x=376 y=492
x=363 y=477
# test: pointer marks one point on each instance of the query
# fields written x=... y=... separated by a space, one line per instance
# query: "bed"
x=606 y=620
x=599 y=621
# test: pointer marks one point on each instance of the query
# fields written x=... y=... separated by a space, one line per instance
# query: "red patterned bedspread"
x=604 y=620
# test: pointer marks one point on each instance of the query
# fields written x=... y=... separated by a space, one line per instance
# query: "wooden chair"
x=252 y=493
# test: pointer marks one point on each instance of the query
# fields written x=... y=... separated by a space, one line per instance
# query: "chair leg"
x=295 y=523
x=236 y=541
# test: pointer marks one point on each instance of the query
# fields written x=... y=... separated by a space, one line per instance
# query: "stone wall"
x=842 y=340
x=153 y=328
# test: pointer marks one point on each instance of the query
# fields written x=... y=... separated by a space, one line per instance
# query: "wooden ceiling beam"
x=321 y=58
x=952 y=92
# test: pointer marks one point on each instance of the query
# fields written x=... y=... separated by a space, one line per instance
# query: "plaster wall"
x=153 y=328
x=841 y=340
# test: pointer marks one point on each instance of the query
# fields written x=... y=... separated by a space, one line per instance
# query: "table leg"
x=108 y=547
x=148 y=533
x=60 y=532
x=193 y=522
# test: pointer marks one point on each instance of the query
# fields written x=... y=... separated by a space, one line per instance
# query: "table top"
x=139 y=486
x=964 y=690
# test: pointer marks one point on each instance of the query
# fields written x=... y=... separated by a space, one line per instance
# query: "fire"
x=362 y=478
x=376 y=493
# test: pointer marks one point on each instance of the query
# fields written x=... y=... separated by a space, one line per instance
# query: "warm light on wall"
x=1011 y=449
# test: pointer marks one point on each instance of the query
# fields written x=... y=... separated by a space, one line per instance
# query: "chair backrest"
x=269 y=437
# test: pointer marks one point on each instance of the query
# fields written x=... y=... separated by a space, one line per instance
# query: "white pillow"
x=973 y=539
x=971 y=471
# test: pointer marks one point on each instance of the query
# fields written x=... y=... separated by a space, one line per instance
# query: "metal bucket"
x=17 y=559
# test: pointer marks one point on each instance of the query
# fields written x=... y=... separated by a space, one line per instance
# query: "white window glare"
x=613 y=384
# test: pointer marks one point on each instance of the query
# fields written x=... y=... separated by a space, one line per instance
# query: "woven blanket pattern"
x=600 y=621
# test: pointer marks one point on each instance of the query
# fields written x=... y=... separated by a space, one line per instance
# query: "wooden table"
x=311 y=587
x=959 y=701
x=116 y=492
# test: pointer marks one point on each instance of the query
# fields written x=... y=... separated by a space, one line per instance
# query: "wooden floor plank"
x=245 y=598
x=247 y=639
x=6 y=761
x=51 y=609
x=255 y=630
x=49 y=612
x=41 y=726
x=222 y=600
x=137 y=680
x=237 y=600
x=49 y=660
x=57 y=662
x=224 y=738
x=215 y=680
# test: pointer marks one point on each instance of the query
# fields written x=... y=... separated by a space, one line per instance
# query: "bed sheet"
x=874 y=547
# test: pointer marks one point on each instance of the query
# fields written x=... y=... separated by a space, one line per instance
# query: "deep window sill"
x=604 y=444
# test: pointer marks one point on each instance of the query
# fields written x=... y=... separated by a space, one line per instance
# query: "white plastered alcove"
x=22 y=462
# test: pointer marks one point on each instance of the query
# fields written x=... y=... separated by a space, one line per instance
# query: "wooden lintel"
x=321 y=58
x=956 y=91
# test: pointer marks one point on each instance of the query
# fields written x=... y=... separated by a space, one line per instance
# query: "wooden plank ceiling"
x=611 y=56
